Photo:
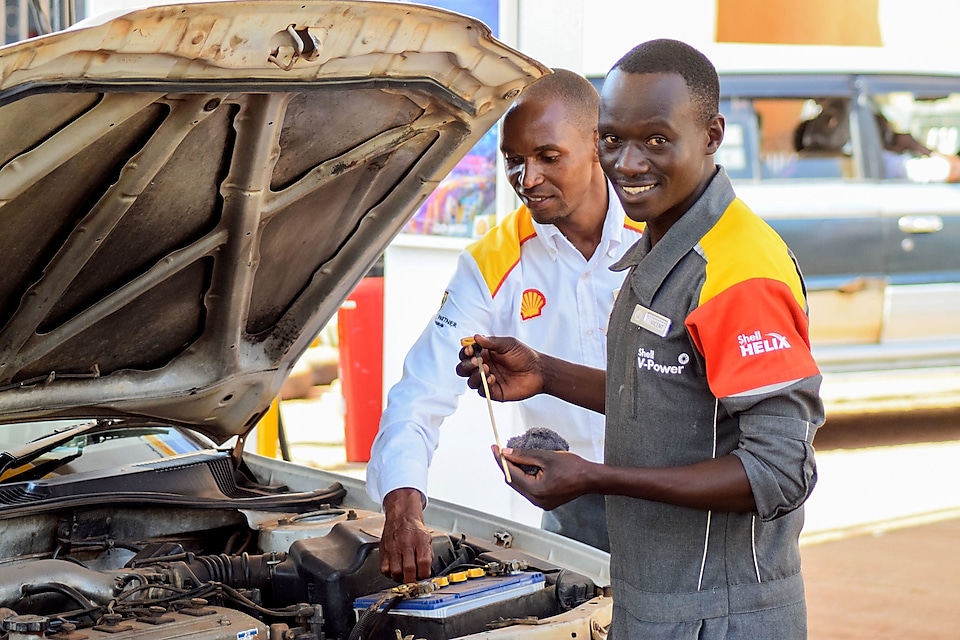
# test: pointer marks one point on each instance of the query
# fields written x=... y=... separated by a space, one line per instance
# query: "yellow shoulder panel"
x=498 y=251
x=742 y=246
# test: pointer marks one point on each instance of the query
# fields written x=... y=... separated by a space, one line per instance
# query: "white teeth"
x=637 y=190
x=535 y=199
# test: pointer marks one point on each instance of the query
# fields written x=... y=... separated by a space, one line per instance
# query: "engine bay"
x=155 y=571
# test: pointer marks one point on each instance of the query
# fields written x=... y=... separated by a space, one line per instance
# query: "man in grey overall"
x=711 y=394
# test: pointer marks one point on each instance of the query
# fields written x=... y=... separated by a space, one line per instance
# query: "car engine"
x=99 y=572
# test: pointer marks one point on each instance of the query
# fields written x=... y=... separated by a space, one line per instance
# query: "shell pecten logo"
x=532 y=303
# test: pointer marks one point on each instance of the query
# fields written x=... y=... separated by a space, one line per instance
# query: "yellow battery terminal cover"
x=475 y=572
x=441 y=581
x=459 y=576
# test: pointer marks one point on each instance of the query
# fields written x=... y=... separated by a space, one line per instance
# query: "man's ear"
x=715 y=130
x=596 y=145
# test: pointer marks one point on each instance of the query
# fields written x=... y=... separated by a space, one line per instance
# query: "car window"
x=914 y=127
x=792 y=138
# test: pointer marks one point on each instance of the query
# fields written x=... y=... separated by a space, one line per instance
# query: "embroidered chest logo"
x=646 y=360
x=532 y=304
x=753 y=344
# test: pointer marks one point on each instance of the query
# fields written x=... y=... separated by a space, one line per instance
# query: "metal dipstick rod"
x=486 y=392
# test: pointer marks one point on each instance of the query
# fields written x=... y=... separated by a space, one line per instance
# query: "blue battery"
x=460 y=596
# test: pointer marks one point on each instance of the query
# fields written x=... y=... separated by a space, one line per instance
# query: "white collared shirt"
x=521 y=279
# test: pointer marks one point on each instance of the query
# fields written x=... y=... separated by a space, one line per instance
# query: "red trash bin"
x=360 y=334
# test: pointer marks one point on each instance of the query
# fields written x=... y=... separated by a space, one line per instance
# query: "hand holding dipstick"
x=486 y=392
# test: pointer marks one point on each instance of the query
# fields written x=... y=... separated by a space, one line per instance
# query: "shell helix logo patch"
x=754 y=344
x=532 y=304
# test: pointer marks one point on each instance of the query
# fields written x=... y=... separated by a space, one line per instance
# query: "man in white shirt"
x=544 y=267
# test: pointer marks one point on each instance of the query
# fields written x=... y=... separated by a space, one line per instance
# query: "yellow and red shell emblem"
x=531 y=304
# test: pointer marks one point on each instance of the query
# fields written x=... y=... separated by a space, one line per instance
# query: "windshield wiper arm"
x=30 y=451
x=38 y=471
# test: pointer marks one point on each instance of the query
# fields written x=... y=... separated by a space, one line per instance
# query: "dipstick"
x=493 y=422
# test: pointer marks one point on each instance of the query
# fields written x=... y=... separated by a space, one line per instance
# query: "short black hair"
x=672 y=56
x=576 y=92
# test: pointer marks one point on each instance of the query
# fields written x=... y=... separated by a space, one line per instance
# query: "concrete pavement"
x=899 y=584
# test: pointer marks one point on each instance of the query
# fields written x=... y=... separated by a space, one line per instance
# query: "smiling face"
x=654 y=146
x=550 y=162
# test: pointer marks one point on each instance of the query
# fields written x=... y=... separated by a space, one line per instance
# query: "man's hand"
x=405 y=550
x=516 y=372
x=512 y=368
x=559 y=478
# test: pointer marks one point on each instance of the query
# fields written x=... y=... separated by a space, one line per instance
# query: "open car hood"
x=188 y=193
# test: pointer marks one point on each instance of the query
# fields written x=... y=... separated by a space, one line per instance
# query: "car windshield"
x=46 y=449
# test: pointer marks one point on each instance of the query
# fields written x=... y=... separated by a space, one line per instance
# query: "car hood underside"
x=189 y=192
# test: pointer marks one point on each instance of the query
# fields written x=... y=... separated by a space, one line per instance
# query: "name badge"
x=651 y=321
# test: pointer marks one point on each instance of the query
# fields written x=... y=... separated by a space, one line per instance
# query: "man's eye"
x=657 y=141
x=551 y=159
x=511 y=160
x=611 y=140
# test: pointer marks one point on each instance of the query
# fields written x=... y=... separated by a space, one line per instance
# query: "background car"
x=817 y=145
x=188 y=194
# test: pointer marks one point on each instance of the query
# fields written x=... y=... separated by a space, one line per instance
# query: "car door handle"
x=920 y=224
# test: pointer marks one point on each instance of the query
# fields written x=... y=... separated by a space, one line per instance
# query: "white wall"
x=927 y=28
x=589 y=36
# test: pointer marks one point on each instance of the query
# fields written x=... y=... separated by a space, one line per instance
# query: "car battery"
x=463 y=607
